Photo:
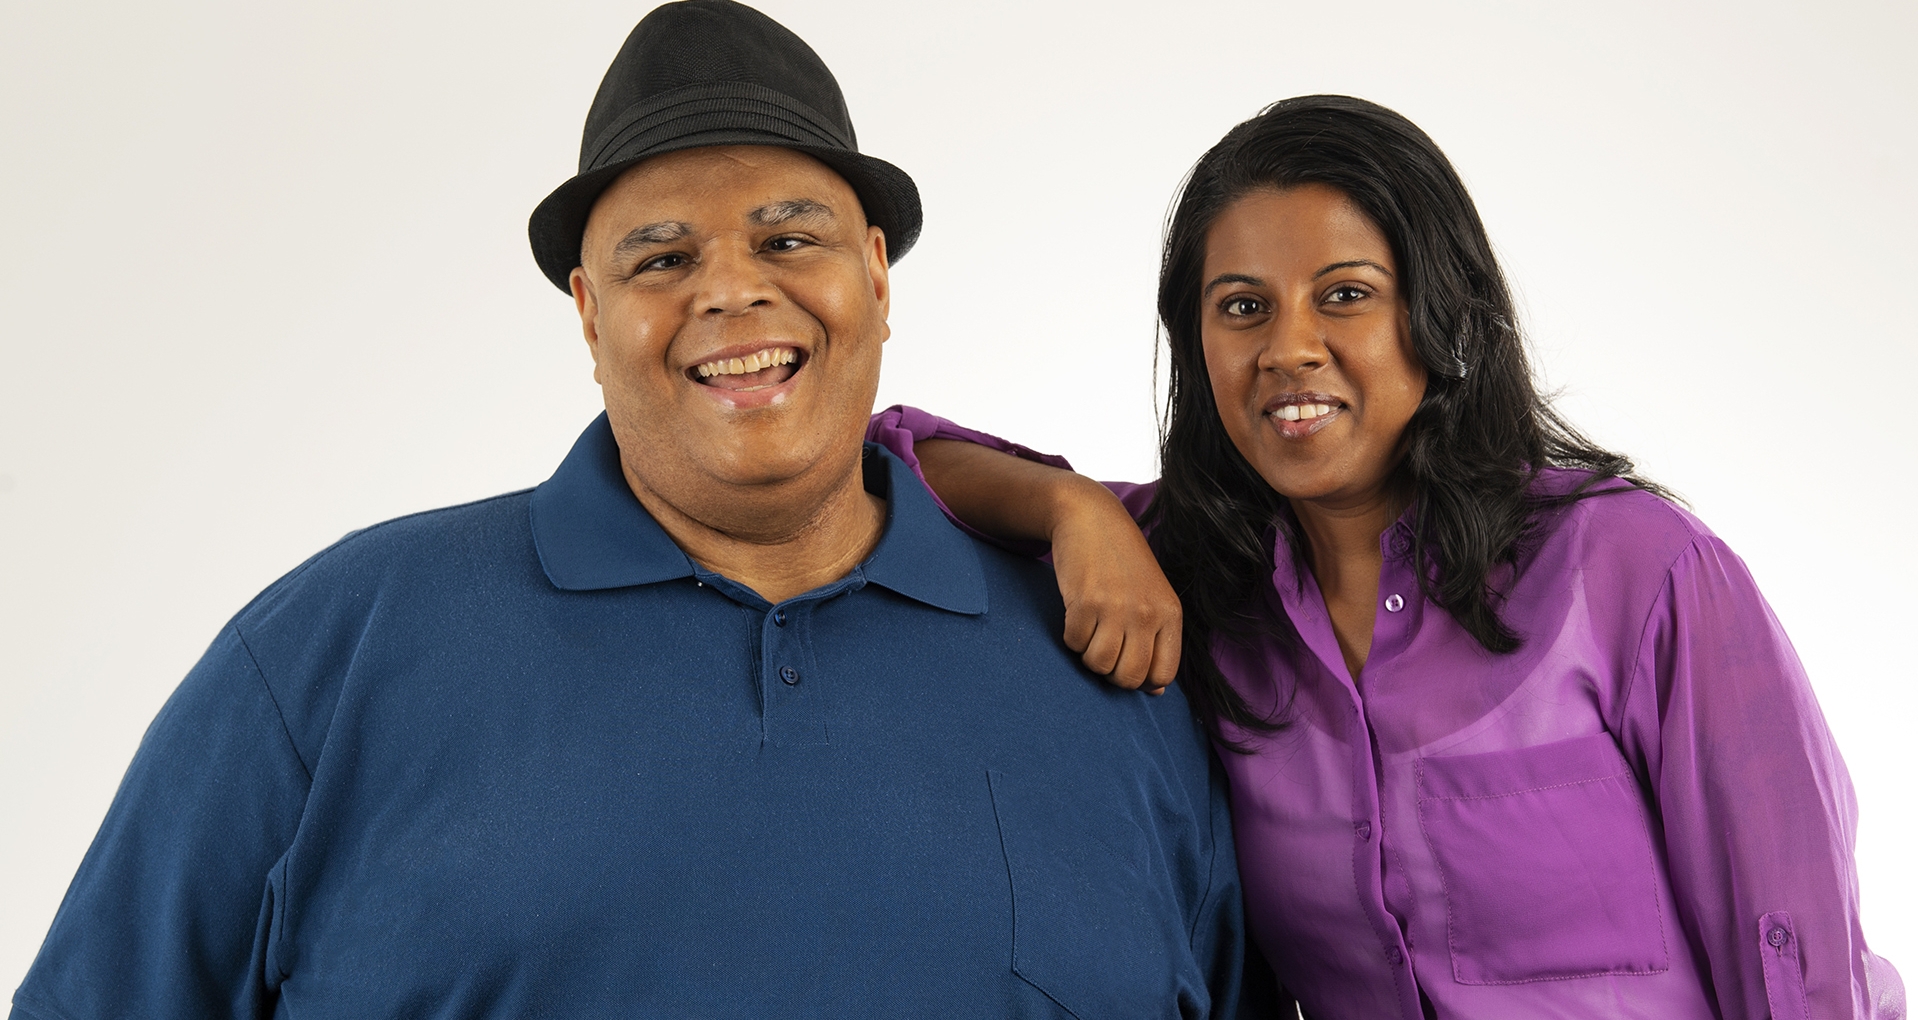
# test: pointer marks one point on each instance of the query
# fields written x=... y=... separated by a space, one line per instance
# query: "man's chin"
x=706 y=445
x=742 y=460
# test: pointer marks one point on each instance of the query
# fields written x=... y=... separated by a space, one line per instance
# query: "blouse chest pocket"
x=1546 y=857
x=1092 y=927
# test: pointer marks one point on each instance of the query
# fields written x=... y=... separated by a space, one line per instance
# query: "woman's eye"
x=1242 y=306
x=1342 y=295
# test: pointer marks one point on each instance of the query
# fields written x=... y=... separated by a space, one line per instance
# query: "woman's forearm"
x=1005 y=496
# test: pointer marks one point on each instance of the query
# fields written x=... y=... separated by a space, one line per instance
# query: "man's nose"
x=1295 y=342
x=732 y=280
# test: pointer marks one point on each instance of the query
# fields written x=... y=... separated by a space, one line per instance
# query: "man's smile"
x=759 y=369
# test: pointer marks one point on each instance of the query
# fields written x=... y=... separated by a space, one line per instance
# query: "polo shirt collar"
x=593 y=534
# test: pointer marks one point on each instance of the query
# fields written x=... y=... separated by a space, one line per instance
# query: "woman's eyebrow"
x=1349 y=264
x=1224 y=278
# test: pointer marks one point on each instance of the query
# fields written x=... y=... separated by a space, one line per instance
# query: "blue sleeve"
x=170 y=914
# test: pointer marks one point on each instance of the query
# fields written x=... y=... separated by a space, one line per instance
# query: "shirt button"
x=789 y=674
x=779 y=617
x=1778 y=937
x=1394 y=956
x=1364 y=829
x=1393 y=603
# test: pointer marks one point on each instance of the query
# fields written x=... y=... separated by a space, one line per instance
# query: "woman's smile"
x=1302 y=415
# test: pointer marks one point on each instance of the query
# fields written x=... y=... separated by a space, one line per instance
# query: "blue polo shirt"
x=522 y=758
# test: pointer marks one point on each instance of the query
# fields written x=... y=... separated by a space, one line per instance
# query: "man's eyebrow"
x=775 y=213
x=1349 y=264
x=650 y=234
x=1224 y=278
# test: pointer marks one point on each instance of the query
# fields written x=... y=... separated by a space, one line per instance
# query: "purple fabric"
x=1613 y=821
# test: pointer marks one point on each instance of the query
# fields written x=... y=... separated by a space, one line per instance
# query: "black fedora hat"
x=715 y=72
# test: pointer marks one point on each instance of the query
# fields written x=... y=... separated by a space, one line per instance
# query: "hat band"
x=715 y=106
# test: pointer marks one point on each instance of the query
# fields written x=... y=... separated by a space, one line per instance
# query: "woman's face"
x=1309 y=344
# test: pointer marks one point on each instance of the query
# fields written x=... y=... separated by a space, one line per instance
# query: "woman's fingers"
x=1121 y=614
x=1080 y=622
x=1165 y=657
x=1103 y=651
x=1135 y=661
x=1133 y=655
x=1125 y=624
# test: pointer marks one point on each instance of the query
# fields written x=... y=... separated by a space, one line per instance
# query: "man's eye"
x=785 y=243
x=1242 y=306
x=671 y=261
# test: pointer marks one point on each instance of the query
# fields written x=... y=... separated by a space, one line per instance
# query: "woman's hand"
x=1121 y=613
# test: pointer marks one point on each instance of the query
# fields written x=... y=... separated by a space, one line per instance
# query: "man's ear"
x=587 y=302
x=881 y=276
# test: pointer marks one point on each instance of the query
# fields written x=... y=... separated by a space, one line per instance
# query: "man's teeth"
x=758 y=361
x=1300 y=412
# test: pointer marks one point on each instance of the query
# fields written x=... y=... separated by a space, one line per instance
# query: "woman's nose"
x=1294 y=344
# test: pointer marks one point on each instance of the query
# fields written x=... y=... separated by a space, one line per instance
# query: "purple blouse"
x=1639 y=813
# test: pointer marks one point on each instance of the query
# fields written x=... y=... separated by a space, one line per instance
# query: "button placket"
x=792 y=699
x=1397 y=612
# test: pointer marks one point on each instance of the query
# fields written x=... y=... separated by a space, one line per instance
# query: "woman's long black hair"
x=1472 y=448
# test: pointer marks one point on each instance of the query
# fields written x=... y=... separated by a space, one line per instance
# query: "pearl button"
x=1393 y=603
x=1778 y=937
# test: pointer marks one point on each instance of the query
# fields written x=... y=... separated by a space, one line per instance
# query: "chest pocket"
x=1093 y=926
x=1546 y=857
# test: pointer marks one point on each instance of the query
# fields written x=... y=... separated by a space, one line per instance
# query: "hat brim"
x=558 y=225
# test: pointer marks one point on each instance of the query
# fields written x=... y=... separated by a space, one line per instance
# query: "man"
x=724 y=719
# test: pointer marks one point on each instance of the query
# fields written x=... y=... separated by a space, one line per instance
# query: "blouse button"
x=1364 y=829
x=1393 y=603
x=1778 y=937
x=1395 y=956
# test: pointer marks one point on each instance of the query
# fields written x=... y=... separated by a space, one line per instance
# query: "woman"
x=1509 y=734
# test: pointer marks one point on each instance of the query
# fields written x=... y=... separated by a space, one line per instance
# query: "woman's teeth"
x=757 y=361
x=1300 y=412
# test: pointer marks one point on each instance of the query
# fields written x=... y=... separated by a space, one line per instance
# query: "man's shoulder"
x=1023 y=593
x=477 y=542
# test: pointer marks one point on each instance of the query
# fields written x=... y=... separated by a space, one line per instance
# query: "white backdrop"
x=264 y=279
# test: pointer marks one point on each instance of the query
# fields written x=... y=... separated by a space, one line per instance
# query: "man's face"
x=735 y=301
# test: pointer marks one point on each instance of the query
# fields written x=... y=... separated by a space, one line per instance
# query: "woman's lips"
x=1298 y=416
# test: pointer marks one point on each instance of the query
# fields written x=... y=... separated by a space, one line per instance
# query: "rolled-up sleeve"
x=1758 y=813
